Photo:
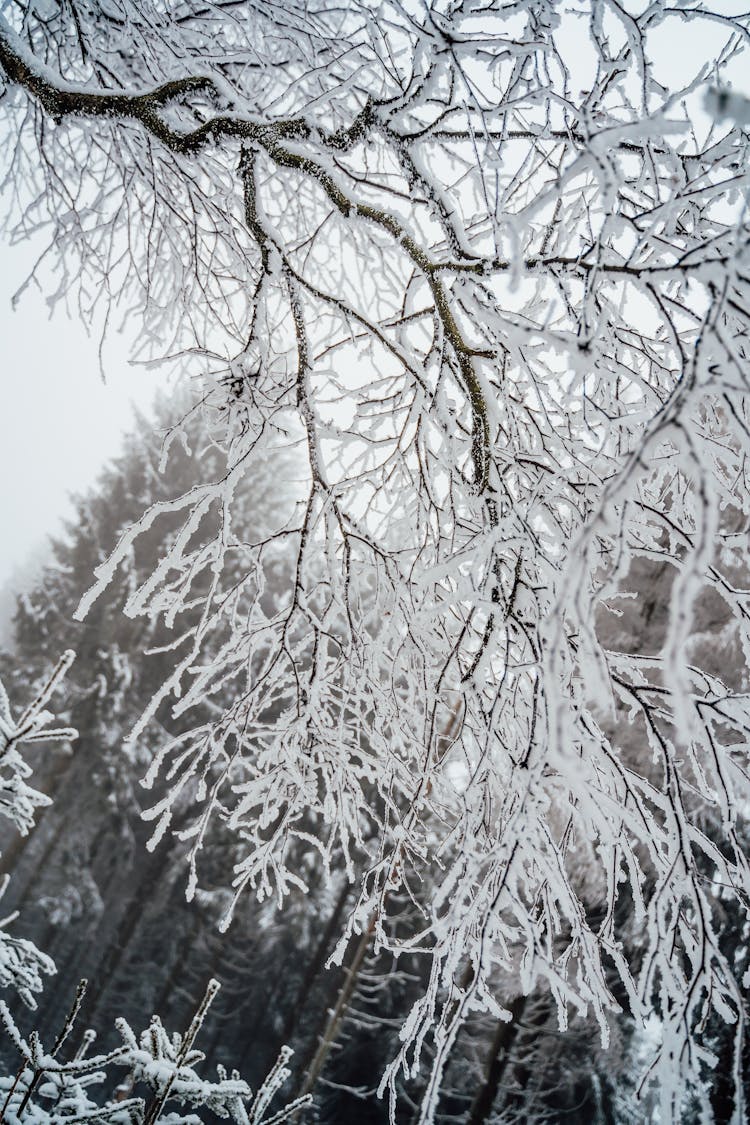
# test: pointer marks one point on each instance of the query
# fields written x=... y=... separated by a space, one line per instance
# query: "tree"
x=505 y=318
x=160 y=1063
x=21 y=963
x=87 y=894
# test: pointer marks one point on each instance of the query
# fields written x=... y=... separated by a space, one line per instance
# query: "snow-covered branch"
x=480 y=273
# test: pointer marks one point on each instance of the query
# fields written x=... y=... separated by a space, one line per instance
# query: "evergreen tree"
x=89 y=891
x=46 y=1088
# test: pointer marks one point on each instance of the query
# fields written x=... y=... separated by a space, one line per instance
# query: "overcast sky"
x=59 y=423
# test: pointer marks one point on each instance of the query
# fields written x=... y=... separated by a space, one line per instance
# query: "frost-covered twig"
x=18 y=801
x=21 y=963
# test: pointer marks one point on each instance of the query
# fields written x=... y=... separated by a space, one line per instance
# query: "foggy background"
x=59 y=421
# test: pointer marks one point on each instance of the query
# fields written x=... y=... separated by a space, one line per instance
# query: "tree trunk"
x=315 y=966
x=505 y=1034
x=333 y=1024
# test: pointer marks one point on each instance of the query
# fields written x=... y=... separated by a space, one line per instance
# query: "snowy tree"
x=161 y=1063
x=487 y=266
x=21 y=963
x=47 y=1090
x=87 y=894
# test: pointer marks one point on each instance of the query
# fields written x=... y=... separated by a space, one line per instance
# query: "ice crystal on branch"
x=21 y=963
x=18 y=801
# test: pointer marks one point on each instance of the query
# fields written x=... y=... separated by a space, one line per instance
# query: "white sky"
x=59 y=423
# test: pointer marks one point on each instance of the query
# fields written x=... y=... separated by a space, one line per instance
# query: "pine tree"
x=89 y=891
x=45 y=1088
